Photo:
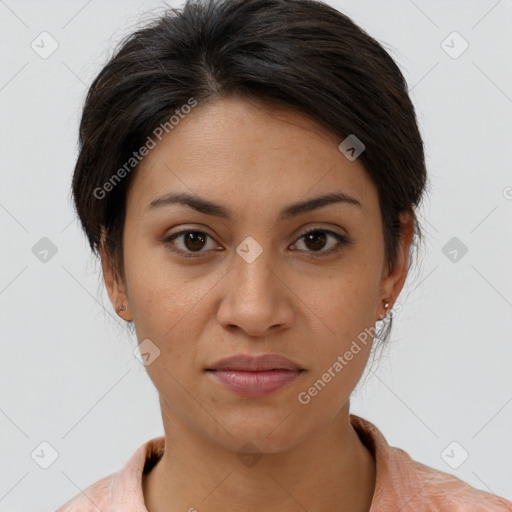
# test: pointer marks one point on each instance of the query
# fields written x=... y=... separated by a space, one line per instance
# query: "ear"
x=114 y=284
x=394 y=279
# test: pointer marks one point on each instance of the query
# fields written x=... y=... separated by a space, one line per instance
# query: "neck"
x=330 y=470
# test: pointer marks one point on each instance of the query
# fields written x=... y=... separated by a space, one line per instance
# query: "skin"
x=255 y=159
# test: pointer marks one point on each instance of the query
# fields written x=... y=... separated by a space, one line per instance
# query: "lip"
x=248 y=363
x=255 y=376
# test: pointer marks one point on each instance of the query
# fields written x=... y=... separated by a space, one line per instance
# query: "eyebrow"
x=208 y=207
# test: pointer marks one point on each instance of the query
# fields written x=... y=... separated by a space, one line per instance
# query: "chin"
x=268 y=431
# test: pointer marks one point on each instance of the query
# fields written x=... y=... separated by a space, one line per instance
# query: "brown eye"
x=316 y=239
x=192 y=241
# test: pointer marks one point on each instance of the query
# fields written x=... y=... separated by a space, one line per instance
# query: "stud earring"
x=386 y=306
x=122 y=307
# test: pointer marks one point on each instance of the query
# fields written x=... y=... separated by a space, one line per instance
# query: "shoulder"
x=95 y=496
x=405 y=484
x=121 y=490
x=430 y=489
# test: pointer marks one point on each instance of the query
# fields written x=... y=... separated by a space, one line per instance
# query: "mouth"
x=251 y=377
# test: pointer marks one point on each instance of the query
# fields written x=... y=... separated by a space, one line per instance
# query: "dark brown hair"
x=302 y=54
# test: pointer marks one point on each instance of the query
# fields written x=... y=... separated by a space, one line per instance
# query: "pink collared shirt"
x=402 y=484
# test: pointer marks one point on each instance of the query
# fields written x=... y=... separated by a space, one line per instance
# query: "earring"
x=386 y=306
x=122 y=307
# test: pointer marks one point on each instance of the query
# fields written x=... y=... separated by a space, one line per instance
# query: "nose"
x=255 y=296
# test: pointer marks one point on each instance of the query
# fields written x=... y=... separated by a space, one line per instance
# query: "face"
x=244 y=278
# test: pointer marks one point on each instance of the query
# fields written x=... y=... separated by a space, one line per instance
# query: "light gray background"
x=67 y=372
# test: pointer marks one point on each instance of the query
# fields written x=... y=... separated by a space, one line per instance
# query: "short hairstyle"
x=302 y=54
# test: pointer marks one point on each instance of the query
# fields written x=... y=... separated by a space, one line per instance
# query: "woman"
x=248 y=173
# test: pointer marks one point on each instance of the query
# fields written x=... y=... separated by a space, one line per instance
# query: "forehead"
x=239 y=148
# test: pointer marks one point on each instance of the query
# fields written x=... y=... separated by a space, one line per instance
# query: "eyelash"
x=342 y=241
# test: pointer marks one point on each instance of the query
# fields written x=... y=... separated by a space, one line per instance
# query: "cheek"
x=157 y=294
x=169 y=308
x=340 y=360
x=322 y=397
x=344 y=302
x=344 y=305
